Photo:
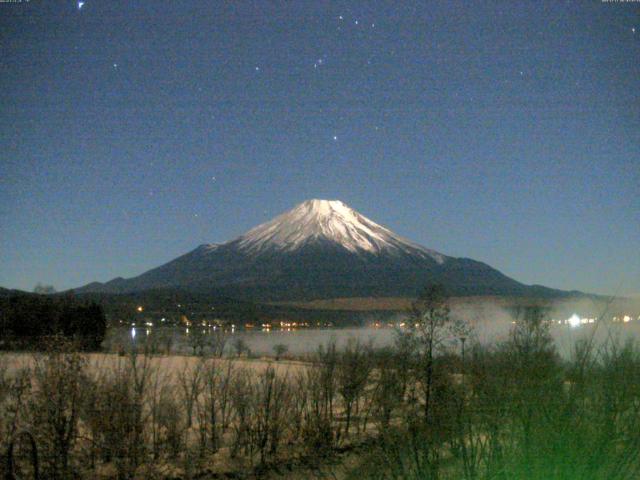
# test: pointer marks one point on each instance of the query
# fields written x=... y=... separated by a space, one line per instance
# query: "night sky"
x=507 y=132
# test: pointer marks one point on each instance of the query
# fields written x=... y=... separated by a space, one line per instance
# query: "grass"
x=510 y=411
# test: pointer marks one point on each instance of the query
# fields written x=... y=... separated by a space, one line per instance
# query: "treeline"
x=26 y=319
x=173 y=304
x=512 y=411
x=437 y=405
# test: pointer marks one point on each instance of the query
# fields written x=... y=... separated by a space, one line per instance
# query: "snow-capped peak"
x=330 y=220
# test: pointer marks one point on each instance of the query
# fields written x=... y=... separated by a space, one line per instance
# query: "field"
x=156 y=416
x=173 y=364
x=425 y=407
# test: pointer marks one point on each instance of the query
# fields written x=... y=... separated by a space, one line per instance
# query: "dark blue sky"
x=508 y=132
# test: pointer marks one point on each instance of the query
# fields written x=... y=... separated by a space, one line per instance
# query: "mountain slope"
x=330 y=221
x=320 y=249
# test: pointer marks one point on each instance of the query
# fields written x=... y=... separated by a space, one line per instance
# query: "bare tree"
x=270 y=405
x=427 y=330
x=240 y=346
x=190 y=380
x=197 y=340
x=389 y=385
x=318 y=431
x=59 y=376
x=353 y=369
x=15 y=392
x=214 y=406
x=241 y=401
x=165 y=415
x=430 y=395
x=217 y=341
x=116 y=413
x=280 y=349
x=209 y=408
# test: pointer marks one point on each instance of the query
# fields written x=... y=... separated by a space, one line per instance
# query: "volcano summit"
x=320 y=249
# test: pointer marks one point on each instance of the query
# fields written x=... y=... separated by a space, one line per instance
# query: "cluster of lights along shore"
x=576 y=320
x=573 y=321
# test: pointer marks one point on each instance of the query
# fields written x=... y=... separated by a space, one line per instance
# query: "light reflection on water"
x=308 y=340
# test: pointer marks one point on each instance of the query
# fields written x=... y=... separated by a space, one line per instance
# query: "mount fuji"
x=320 y=249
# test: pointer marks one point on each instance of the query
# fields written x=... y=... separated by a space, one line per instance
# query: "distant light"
x=133 y=333
x=80 y=5
x=574 y=320
x=626 y=319
x=140 y=308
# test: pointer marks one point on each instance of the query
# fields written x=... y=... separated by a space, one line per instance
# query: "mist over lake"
x=487 y=333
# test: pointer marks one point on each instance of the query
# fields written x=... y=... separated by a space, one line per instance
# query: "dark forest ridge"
x=321 y=249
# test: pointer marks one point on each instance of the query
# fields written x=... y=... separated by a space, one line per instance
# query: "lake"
x=307 y=340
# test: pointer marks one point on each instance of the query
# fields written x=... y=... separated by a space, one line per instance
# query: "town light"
x=574 y=320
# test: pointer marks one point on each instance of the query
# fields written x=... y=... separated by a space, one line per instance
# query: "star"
x=80 y=5
x=356 y=22
x=633 y=29
x=257 y=69
x=340 y=17
x=335 y=138
x=115 y=65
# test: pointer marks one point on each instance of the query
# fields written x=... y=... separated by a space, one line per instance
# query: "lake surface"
x=307 y=340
